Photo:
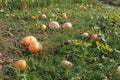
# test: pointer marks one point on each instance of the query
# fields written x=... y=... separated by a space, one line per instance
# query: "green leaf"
x=87 y=44
x=107 y=47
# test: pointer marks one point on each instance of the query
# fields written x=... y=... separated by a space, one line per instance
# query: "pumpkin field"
x=59 y=40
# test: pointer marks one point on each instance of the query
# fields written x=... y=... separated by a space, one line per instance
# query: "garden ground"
x=93 y=60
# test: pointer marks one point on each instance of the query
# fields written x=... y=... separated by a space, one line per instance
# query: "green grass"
x=92 y=60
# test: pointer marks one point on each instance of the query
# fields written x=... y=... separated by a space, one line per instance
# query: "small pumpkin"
x=43 y=27
x=21 y=64
x=43 y=16
x=35 y=47
x=67 y=25
x=54 y=25
x=33 y=18
x=84 y=8
x=26 y=41
x=95 y=37
x=64 y=16
x=85 y=34
x=66 y=63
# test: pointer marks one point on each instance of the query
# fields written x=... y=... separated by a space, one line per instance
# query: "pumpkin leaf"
x=98 y=44
x=107 y=47
x=87 y=44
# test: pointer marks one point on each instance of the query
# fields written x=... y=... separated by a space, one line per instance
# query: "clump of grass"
x=27 y=4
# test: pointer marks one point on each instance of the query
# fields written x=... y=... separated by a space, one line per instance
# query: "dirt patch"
x=10 y=39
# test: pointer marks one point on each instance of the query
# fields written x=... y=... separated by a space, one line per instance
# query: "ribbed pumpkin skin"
x=35 y=47
x=26 y=41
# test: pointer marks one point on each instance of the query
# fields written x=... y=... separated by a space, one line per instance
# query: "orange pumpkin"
x=26 y=41
x=33 y=18
x=21 y=64
x=35 y=47
x=43 y=27
x=43 y=16
x=95 y=37
x=64 y=16
x=67 y=25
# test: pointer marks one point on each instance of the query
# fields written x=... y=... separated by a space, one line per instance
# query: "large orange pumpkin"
x=26 y=41
x=21 y=64
x=35 y=47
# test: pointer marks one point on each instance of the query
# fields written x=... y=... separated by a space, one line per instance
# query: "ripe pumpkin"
x=67 y=25
x=95 y=37
x=43 y=27
x=66 y=63
x=43 y=16
x=85 y=34
x=26 y=41
x=64 y=16
x=33 y=18
x=35 y=47
x=54 y=25
x=21 y=64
